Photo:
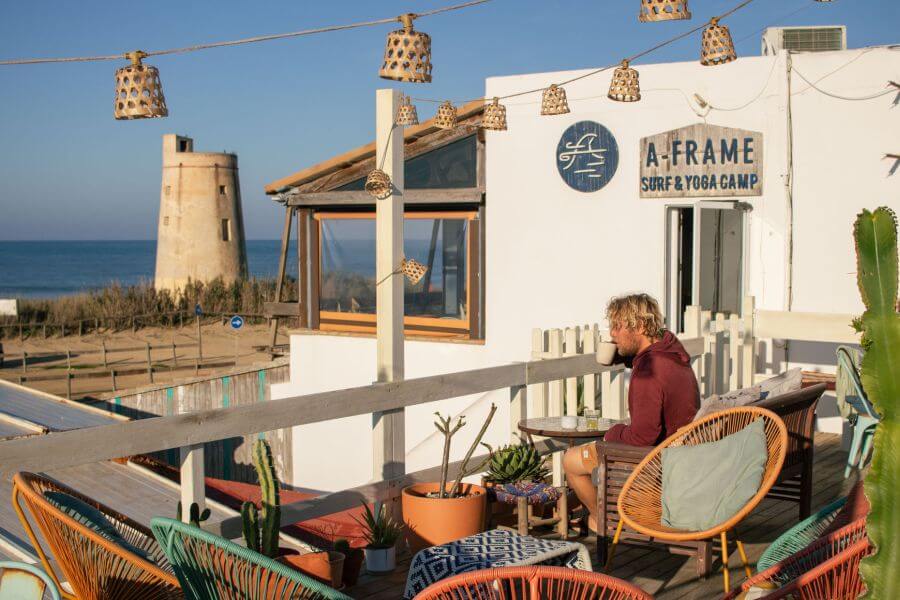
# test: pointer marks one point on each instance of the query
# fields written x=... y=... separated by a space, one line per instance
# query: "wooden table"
x=551 y=427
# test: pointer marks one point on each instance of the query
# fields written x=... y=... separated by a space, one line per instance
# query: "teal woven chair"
x=21 y=581
x=210 y=567
x=800 y=535
x=866 y=419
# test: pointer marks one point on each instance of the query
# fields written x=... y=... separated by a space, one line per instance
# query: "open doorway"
x=704 y=259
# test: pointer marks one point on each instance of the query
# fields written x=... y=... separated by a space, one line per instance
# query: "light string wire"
x=250 y=40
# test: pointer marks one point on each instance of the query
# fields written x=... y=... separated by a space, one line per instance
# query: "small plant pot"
x=380 y=561
x=434 y=521
x=325 y=567
x=352 y=566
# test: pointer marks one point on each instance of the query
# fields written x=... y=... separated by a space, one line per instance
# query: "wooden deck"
x=673 y=576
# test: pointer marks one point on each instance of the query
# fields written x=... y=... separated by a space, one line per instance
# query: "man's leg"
x=578 y=463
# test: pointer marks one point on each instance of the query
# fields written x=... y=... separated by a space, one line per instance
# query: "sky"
x=69 y=171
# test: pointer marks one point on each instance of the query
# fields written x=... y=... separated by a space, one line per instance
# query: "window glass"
x=450 y=166
x=348 y=266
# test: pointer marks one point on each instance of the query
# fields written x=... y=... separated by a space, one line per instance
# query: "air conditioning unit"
x=804 y=39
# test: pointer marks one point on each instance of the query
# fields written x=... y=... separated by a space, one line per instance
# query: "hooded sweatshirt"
x=663 y=395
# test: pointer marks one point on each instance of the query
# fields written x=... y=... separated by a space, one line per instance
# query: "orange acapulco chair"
x=532 y=583
x=120 y=563
x=640 y=501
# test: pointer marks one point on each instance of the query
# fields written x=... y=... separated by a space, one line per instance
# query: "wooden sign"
x=702 y=160
x=587 y=156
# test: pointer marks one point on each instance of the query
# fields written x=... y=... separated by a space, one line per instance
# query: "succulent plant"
x=876 y=272
x=520 y=462
x=380 y=530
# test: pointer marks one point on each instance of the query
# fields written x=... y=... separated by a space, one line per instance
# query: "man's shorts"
x=589 y=456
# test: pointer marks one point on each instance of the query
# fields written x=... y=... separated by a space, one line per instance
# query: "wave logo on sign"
x=587 y=156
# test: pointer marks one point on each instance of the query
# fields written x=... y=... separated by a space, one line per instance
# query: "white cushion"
x=789 y=381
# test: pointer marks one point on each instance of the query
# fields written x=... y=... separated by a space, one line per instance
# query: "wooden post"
x=112 y=375
x=589 y=341
x=199 y=340
x=24 y=361
x=736 y=364
x=149 y=363
x=174 y=355
x=571 y=349
x=193 y=483
x=537 y=393
x=44 y=325
x=279 y=283
x=103 y=352
x=749 y=342
x=80 y=328
x=389 y=446
x=518 y=410
x=69 y=385
x=556 y=400
x=68 y=359
x=133 y=325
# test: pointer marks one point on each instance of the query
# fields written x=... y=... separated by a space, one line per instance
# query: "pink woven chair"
x=532 y=583
x=827 y=568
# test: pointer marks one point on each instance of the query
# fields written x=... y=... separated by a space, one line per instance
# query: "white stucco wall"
x=555 y=255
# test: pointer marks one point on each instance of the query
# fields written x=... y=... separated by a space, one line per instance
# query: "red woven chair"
x=828 y=568
x=532 y=583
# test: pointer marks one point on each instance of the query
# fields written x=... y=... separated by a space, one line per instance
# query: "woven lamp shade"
x=625 y=86
x=446 y=116
x=716 y=46
x=494 y=117
x=407 y=54
x=139 y=92
x=406 y=112
x=413 y=270
x=378 y=184
x=554 y=102
x=664 y=10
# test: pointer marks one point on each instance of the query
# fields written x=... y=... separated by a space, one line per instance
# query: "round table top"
x=552 y=427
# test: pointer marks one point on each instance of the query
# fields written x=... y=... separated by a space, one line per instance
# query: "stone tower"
x=201 y=227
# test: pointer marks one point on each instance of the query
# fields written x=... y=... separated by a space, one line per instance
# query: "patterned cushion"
x=534 y=492
x=789 y=381
x=732 y=399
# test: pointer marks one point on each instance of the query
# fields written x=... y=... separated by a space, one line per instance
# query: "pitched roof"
x=342 y=161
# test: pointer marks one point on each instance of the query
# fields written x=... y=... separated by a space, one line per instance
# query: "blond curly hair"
x=637 y=312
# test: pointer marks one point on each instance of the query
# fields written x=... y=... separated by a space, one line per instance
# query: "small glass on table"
x=592 y=419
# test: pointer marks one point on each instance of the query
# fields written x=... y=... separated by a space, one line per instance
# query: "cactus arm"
x=271 y=503
x=876 y=252
x=250 y=525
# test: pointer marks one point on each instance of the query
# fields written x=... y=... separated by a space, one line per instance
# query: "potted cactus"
x=439 y=512
x=352 y=561
x=195 y=517
x=381 y=533
x=876 y=271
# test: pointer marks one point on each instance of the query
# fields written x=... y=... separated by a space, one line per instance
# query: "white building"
x=539 y=253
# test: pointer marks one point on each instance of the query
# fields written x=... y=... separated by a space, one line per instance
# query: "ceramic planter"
x=326 y=567
x=436 y=521
x=381 y=560
x=352 y=566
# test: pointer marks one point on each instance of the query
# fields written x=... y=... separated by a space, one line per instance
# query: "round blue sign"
x=237 y=322
x=197 y=310
x=587 y=156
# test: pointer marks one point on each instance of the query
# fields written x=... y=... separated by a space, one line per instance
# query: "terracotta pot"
x=326 y=567
x=380 y=561
x=352 y=566
x=436 y=521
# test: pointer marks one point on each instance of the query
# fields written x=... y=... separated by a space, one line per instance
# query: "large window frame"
x=469 y=328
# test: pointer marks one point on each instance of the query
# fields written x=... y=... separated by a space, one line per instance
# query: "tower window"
x=221 y=190
x=168 y=190
x=226 y=230
x=182 y=145
x=166 y=221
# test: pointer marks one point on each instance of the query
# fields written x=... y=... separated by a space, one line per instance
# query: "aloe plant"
x=876 y=267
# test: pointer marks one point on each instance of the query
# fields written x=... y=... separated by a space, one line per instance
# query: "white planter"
x=381 y=560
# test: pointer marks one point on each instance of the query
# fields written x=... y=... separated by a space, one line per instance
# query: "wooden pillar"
x=282 y=264
x=193 y=486
x=389 y=446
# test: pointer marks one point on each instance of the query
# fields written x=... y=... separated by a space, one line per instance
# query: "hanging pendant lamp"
x=406 y=112
x=716 y=46
x=553 y=101
x=625 y=86
x=494 y=117
x=407 y=55
x=413 y=270
x=653 y=11
x=378 y=184
x=446 y=116
x=139 y=92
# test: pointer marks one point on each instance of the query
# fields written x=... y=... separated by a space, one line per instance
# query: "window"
x=166 y=221
x=168 y=190
x=221 y=190
x=444 y=303
x=226 y=230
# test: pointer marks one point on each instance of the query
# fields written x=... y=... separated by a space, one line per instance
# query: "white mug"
x=569 y=422
x=606 y=353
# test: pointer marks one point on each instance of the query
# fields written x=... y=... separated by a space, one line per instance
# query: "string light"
x=378 y=184
x=407 y=54
x=406 y=112
x=553 y=101
x=663 y=10
x=494 y=117
x=716 y=47
x=139 y=92
x=446 y=116
x=625 y=86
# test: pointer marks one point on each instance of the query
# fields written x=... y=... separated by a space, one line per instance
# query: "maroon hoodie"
x=663 y=395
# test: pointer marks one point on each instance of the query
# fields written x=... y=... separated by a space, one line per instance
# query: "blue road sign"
x=237 y=322
x=197 y=310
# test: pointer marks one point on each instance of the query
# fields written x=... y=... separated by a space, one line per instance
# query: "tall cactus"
x=261 y=526
x=876 y=266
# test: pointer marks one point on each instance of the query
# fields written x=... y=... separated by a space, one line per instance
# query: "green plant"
x=380 y=530
x=520 y=462
x=196 y=517
x=261 y=526
x=443 y=425
x=342 y=545
x=876 y=272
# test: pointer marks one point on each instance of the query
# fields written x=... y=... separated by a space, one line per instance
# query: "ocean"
x=57 y=268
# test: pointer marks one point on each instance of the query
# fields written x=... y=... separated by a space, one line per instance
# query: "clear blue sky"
x=68 y=170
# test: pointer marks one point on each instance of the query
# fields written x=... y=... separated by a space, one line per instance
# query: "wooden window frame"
x=469 y=328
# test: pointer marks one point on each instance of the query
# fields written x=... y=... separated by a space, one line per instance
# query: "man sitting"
x=663 y=395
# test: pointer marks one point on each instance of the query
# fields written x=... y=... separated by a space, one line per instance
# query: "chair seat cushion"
x=732 y=399
x=706 y=484
x=534 y=492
